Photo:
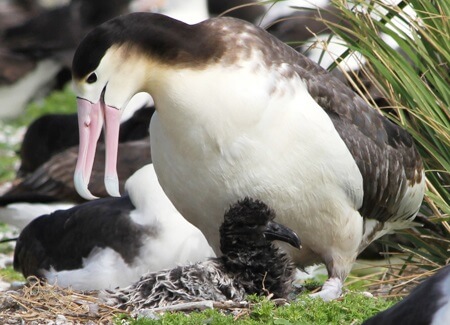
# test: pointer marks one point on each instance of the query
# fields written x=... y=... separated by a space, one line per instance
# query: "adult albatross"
x=239 y=113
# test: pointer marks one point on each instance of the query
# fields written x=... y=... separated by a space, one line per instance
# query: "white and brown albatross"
x=239 y=113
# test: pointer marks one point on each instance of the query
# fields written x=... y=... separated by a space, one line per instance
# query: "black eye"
x=92 y=78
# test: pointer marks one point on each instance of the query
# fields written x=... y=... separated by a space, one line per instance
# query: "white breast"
x=274 y=143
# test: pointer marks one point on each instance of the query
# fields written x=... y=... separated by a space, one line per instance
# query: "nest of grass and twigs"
x=41 y=303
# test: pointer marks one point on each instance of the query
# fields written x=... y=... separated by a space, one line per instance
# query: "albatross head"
x=249 y=224
x=102 y=94
x=114 y=62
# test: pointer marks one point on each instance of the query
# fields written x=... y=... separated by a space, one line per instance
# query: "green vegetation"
x=57 y=102
x=8 y=274
x=5 y=248
x=415 y=80
x=7 y=161
x=352 y=309
x=61 y=102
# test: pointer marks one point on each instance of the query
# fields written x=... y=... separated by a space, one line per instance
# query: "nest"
x=41 y=303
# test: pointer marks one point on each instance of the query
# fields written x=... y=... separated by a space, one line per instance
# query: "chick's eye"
x=92 y=78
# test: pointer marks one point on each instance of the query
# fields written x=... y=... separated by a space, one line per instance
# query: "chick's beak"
x=276 y=231
x=91 y=117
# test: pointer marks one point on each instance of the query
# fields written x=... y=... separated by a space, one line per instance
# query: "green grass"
x=8 y=274
x=353 y=308
x=57 y=102
x=415 y=81
x=5 y=248
x=8 y=160
x=63 y=101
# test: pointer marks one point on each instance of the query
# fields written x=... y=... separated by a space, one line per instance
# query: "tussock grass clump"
x=413 y=76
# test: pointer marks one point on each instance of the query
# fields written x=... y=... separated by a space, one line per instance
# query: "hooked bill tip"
x=81 y=186
x=112 y=185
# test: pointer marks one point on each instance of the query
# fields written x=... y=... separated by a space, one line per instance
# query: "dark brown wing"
x=384 y=152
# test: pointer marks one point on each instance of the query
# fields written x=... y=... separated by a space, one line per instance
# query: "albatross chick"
x=250 y=264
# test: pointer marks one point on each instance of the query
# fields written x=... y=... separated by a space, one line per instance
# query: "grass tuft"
x=58 y=102
x=8 y=274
